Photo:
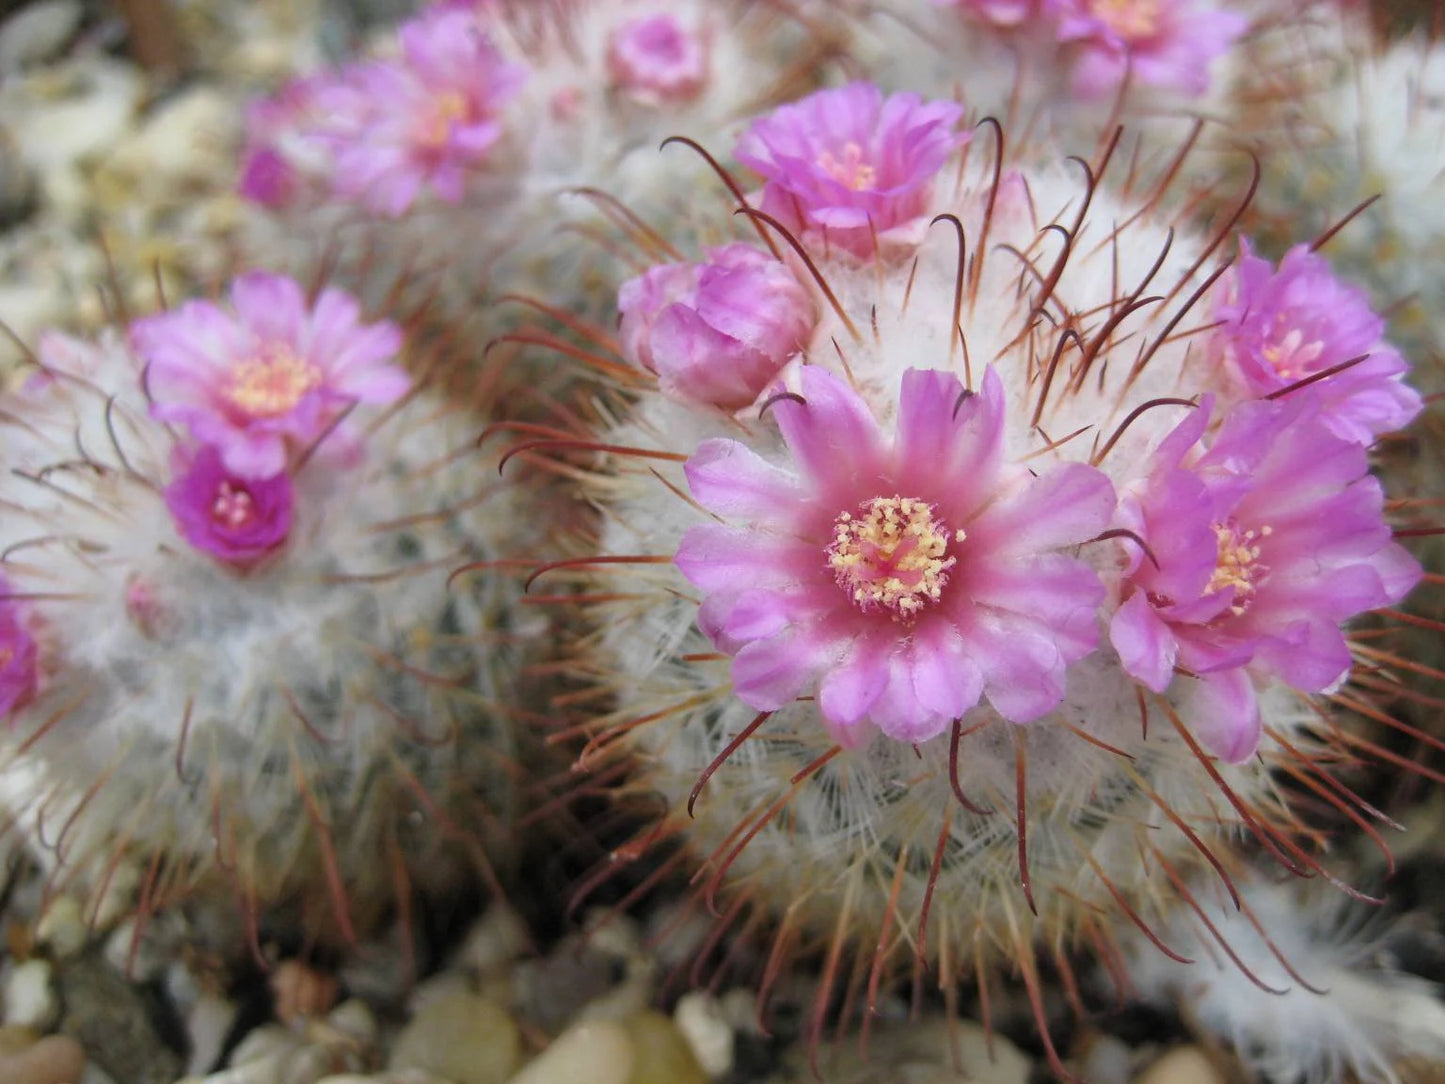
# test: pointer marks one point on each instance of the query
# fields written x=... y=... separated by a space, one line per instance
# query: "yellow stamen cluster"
x=272 y=382
x=893 y=554
x=1132 y=20
x=1237 y=564
x=448 y=108
x=851 y=170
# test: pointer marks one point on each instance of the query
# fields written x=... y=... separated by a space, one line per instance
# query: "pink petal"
x=730 y=479
x=1223 y=712
x=1071 y=504
x=272 y=307
x=832 y=435
x=1146 y=646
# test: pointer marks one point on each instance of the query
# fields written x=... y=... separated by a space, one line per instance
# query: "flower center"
x=1291 y=356
x=851 y=171
x=1132 y=20
x=1237 y=564
x=893 y=554
x=272 y=383
x=233 y=507
x=447 y=108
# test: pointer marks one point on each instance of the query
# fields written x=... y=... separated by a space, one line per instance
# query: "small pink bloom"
x=1280 y=327
x=1266 y=542
x=716 y=332
x=852 y=165
x=431 y=119
x=271 y=378
x=289 y=141
x=238 y=520
x=19 y=669
x=897 y=579
x=1157 y=43
x=657 y=59
x=1003 y=14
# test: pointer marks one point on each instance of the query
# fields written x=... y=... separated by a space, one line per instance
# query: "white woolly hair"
x=308 y=726
x=1303 y=993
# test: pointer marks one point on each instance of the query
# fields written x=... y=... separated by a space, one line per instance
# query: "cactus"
x=227 y=543
x=973 y=611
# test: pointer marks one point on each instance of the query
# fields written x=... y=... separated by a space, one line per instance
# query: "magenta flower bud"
x=237 y=520
x=851 y=165
x=716 y=332
x=19 y=673
x=657 y=59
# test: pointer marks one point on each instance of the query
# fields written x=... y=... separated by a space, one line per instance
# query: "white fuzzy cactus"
x=233 y=653
x=977 y=553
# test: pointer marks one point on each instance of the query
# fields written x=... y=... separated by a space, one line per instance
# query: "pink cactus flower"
x=431 y=119
x=1003 y=14
x=19 y=668
x=1281 y=327
x=1158 y=43
x=897 y=580
x=851 y=165
x=716 y=332
x=273 y=377
x=657 y=59
x=237 y=520
x=1260 y=546
x=289 y=141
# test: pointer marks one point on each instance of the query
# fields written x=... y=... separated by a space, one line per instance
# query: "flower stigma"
x=892 y=554
x=851 y=172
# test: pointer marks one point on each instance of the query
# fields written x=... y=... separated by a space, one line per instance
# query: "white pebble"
x=356 y=1020
x=498 y=937
x=61 y=928
x=30 y=999
x=37 y=32
x=598 y=1052
x=207 y=1025
x=699 y=1018
x=1182 y=1065
x=265 y=1043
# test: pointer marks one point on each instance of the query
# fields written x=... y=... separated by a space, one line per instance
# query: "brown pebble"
x=56 y=1059
x=15 y=1039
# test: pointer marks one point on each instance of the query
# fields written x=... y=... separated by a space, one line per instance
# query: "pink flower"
x=1158 y=43
x=657 y=59
x=1002 y=13
x=852 y=165
x=289 y=140
x=19 y=670
x=1265 y=542
x=431 y=119
x=716 y=332
x=270 y=379
x=1279 y=327
x=239 y=520
x=897 y=580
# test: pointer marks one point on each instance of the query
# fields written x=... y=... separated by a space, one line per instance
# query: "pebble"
x=1183 y=1065
x=462 y=1037
x=662 y=1053
x=115 y=1021
x=598 y=1051
x=56 y=1059
x=1106 y=1058
x=30 y=999
x=496 y=939
x=207 y=1024
x=930 y=1051
x=37 y=32
x=700 y=1020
